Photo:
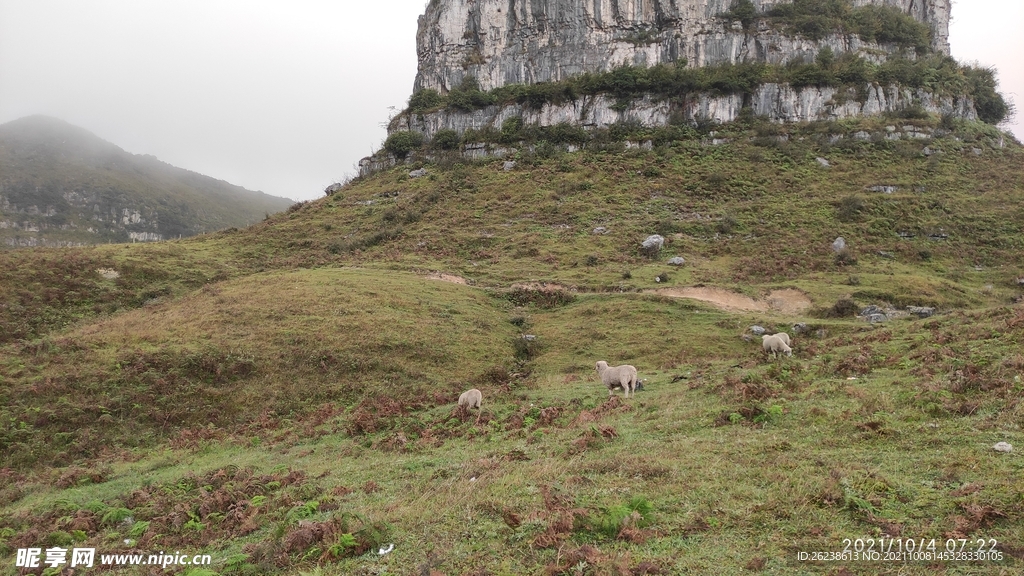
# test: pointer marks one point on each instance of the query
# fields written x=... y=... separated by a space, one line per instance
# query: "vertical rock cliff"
x=501 y=42
x=783 y=61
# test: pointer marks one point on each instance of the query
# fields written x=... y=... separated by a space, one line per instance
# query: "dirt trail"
x=787 y=301
x=543 y=287
x=447 y=278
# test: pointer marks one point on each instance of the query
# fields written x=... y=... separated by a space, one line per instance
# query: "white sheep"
x=774 y=345
x=618 y=377
x=471 y=399
x=783 y=335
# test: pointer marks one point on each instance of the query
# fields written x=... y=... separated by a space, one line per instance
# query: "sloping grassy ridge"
x=283 y=397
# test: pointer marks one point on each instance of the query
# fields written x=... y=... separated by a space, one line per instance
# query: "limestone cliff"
x=865 y=58
x=777 y=102
x=503 y=42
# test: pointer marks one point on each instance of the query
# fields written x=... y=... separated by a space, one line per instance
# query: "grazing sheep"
x=617 y=377
x=774 y=344
x=783 y=335
x=471 y=399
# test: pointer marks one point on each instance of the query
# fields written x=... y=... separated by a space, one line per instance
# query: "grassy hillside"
x=282 y=396
x=61 y=185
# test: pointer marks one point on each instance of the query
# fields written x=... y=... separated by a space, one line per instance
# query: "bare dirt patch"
x=447 y=278
x=787 y=301
x=543 y=287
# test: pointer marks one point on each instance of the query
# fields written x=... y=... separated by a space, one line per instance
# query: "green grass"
x=283 y=397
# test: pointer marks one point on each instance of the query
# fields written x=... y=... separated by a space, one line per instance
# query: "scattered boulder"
x=883 y=188
x=874 y=314
x=677 y=261
x=977 y=151
x=887 y=255
x=801 y=328
x=921 y=311
x=1005 y=447
x=653 y=245
x=757 y=330
x=861 y=135
x=824 y=163
x=336 y=187
x=839 y=244
x=508 y=165
x=600 y=230
x=418 y=173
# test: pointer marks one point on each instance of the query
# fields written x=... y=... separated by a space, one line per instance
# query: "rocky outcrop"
x=503 y=42
x=777 y=102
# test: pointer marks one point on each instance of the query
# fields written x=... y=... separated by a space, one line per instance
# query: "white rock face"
x=145 y=237
x=778 y=102
x=529 y=41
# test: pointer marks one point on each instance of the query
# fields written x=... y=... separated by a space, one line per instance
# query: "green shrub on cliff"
x=401 y=143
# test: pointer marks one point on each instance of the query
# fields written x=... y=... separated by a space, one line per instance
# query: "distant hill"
x=61 y=185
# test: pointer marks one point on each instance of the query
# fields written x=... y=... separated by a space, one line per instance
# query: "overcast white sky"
x=279 y=96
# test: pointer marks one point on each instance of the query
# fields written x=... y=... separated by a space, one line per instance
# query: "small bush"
x=843 y=308
x=849 y=208
x=846 y=257
x=403 y=142
x=727 y=225
x=425 y=101
x=446 y=140
x=511 y=130
x=742 y=10
x=541 y=298
x=614 y=519
x=990 y=104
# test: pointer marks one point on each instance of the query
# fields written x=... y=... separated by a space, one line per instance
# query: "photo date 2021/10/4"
x=909 y=550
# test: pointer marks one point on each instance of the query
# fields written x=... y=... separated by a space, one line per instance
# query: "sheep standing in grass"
x=471 y=399
x=785 y=338
x=775 y=345
x=617 y=377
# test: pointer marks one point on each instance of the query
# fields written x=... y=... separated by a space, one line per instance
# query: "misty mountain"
x=62 y=185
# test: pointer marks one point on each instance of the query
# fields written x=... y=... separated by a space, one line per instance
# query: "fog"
x=283 y=97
